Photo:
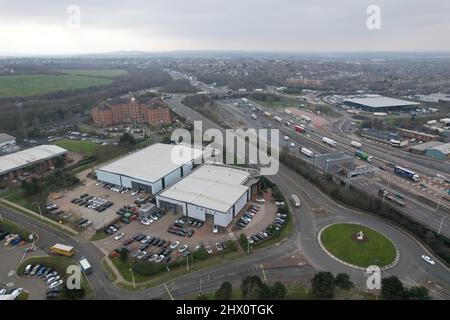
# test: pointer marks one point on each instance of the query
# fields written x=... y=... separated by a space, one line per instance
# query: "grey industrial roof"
x=28 y=157
x=4 y=137
x=426 y=145
x=154 y=162
x=444 y=148
x=380 y=102
x=213 y=187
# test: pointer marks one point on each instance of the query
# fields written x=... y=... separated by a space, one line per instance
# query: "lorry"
x=278 y=119
x=363 y=155
x=306 y=152
x=356 y=144
x=299 y=129
x=306 y=119
x=63 y=250
x=329 y=142
x=403 y=172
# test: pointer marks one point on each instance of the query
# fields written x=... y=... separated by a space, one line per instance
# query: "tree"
x=254 y=289
x=418 y=293
x=124 y=255
x=224 y=292
x=128 y=139
x=31 y=188
x=392 y=288
x=323 y=284
x=343 y=281
x=278 y=291
x=73 y=294
x=243 y=241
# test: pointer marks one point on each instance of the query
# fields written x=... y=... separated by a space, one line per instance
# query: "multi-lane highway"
x=422 y=212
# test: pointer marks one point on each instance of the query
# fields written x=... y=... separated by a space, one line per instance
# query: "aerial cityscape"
x=193 y=152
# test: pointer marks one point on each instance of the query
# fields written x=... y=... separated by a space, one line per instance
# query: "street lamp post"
x=439 y=203
x=132 y=278
x=39 y=208
x=440 y=226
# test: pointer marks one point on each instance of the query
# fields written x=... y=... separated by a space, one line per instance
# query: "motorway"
x=435 y=220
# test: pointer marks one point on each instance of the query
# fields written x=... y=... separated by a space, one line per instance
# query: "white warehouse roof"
x=154 y=162
x=28 y=157
x=213 y=187
x=380 y=102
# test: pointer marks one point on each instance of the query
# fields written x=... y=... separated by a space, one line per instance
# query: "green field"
x=107 y=73
x=377 y=250
x=77 y=146
x=31 y=85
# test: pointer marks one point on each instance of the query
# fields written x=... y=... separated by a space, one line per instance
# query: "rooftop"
x=444 y=148
x=426 y=145
x=4 y=137
x=154 y=162
x=380 y=102
x=27 y=157
x=213 y=187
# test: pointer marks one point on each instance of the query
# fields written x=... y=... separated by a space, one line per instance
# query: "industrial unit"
x=151 y=169
x=441 y=152
x=212 y=191
x=37 y=159
x=375 y=103
x=6 y=140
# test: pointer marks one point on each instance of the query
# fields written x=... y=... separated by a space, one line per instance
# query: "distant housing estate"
x=155 y=111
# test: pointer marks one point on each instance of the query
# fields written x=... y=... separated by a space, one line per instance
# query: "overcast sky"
x=45 y=27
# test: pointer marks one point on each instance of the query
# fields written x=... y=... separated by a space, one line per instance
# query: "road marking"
x=168 y=292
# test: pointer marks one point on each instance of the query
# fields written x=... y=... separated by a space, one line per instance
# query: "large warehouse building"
x=37 y=159
x=376 y=103
x=212 y=191
x=151 y=169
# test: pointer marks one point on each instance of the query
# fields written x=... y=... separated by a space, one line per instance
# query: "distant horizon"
x=138 y=53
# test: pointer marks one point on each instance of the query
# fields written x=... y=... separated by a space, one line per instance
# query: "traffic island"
x=358 y=246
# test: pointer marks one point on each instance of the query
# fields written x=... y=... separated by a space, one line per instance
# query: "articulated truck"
x=363 y=155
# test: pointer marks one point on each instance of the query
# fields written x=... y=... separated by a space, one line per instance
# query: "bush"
x=148 y=268
x=224 y=292
x=343 y=281
x=323 y=285
x=243 y=241
x=73 y=294
x=231 y=246
x=200 y=254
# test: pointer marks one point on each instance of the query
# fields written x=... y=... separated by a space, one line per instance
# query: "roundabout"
x=358 y=246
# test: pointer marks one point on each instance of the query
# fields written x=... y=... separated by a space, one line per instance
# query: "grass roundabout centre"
x=358 y=245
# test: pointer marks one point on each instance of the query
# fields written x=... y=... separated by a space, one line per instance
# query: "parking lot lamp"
x=132 y=277
x=39 y=208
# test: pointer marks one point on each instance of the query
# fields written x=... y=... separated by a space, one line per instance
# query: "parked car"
x=183 y=248
x=260 y=200
x=208 y=249
x=55 y=284
x=215 y=228
x=159 y=259
x=219 y=246
x=174 y=245
x=153 y=258
x=119 y=236
x=27 y=269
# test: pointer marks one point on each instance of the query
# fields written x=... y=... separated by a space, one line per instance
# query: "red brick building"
x=155 y=112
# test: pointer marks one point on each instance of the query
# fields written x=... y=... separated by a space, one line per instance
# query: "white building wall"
x=159 y=198
x=126 y=182
x=241 y=202
x=196 y=212
x=108 y=177
x=172 y=177
x=157 y=186
x=187 y=168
